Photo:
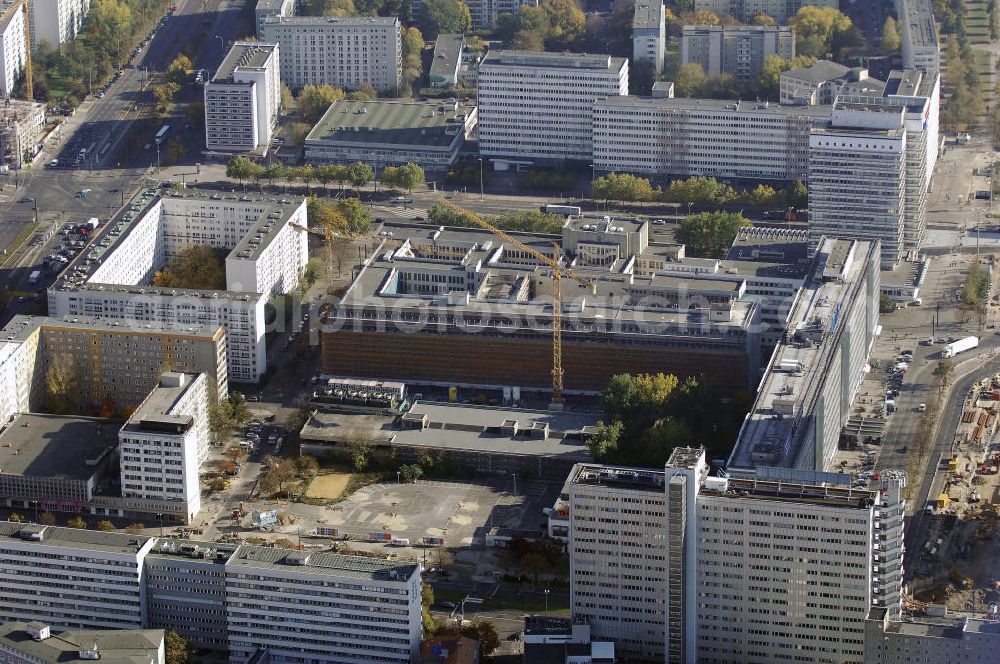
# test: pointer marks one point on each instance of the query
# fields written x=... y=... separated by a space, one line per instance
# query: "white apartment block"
x=681 y=567
x=745 y=10
x=616 y=547
x=165 y=441
x=270 y=8
x=539 y=106
x=926 y=640
x=70 y=578
x=736 y=50
x=13 y=50
x=35 y=643
x=323 y=608
x=649 y=32
x=918 y=32
x=269 y=251
x=485 y=12
x=344 y=52
x=243 y=99
x=857 y=177
x=56 y=21
x=708 y=137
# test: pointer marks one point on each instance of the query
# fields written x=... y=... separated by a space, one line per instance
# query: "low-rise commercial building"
x=460 y=305
x=342 y=51
x=392 y=133
x=649 y=32
x=268 y=254
x=36 y=643
x=165 y=441
x=889 y=640
x=539 y=106
x=736 y=50
x=13 y=50
x=447 y=61
x=243 y=99
x=823 y=81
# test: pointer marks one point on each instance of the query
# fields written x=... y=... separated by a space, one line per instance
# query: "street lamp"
x=159 y=515
x=546 y=591
x=35 y=503
x=398 y=473
x=481 y=194
x=374 y=175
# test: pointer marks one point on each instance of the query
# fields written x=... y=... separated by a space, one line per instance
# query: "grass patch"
x=21 y=237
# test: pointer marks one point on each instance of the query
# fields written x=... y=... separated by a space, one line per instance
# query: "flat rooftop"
x=122 y=646
x=390 y=123
x=903 y=82
x=618 y=477
x=327 y=564
x=23 y=326
x=920 y=23
x=791 y=492
x=59 y=446
x=270 y=4
x=774 y=245
x=818 y=72
x=157 y=410
x=73 y=538
x=447 y=53
x=553 y=60
x=648 y=15
x=344 y=21
x=736 y=29
x=905 y=274
x=212 y=553
x=18 y=109
x=683 y=104
x=243 y=55
x=813 y=337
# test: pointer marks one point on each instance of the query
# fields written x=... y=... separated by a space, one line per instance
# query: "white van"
x=400 y=542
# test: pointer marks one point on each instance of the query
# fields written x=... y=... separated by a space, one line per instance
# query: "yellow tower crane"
x=558 y=272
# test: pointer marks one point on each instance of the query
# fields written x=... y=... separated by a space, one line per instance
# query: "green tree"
x=769 y=79
x=691 y=80
x=426 y=602
x=886 y=305
x=360 y=174
x=176 y=649
x=710 y=234
x=239 y=411
x=274 y=171
x=356 y=215
x=327 y=173
x=891 y=40
x=622 y=187
x=359 y=451
x=413 y=46
x=944 y=369
x=76 y=522
x=200 y=266
x=763 y=19
x=240 y=168
x=165 y=92
x=444 y=16
x=315 y=100
x=700 y=190
x=762 y=195
x=411 y=472
x=14 y=517
x=603 y=445
x=817 y=28
x=62 y=384
x=484 y=632
x=179 y=70
x=105 y=526
x=797 y=196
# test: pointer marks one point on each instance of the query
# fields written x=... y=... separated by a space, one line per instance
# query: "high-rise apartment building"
x=97 y=583
x=746 y=10
x=857 y=176
x=13 y=50
x=710 y=137
x=918 y=32
x=539 y=106
x=56 y=21
x=925 y=640
x=165 y=441
x=265 y=9
x=485 y=12
x=649 y=32
x=345 y=52
x=243 y=99
x=737 y=50
x=680 y=566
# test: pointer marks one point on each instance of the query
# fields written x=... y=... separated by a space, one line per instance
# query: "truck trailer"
x=960 y=346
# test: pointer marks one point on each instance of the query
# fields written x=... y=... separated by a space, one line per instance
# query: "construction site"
x=959 y=564
x=22 y=125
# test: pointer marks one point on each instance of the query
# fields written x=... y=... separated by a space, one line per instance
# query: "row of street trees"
x=359 y=174
x=698 y=190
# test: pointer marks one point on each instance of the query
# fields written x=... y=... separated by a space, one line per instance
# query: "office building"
x=487 y=307
x=918 y=33
x=928 y=640
x=98 y=583
x=243 y=99
x=678 y=566
x=56 y=21
x=36 y=643
x=345 y=52
x=370 y=607
x=392 y=133
x=649 y=32
x=746 y=10
x=165 y=441
x=13 y=50
x=22 y=124
x=268 y=254
x=857 y=176
x=447 y=63
x=548 y=639
x=736 y=50
x=538 y=106
x=680 y=137
x=804 y=399
x=823 y=81
x=113 y=366
x=265 y=9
